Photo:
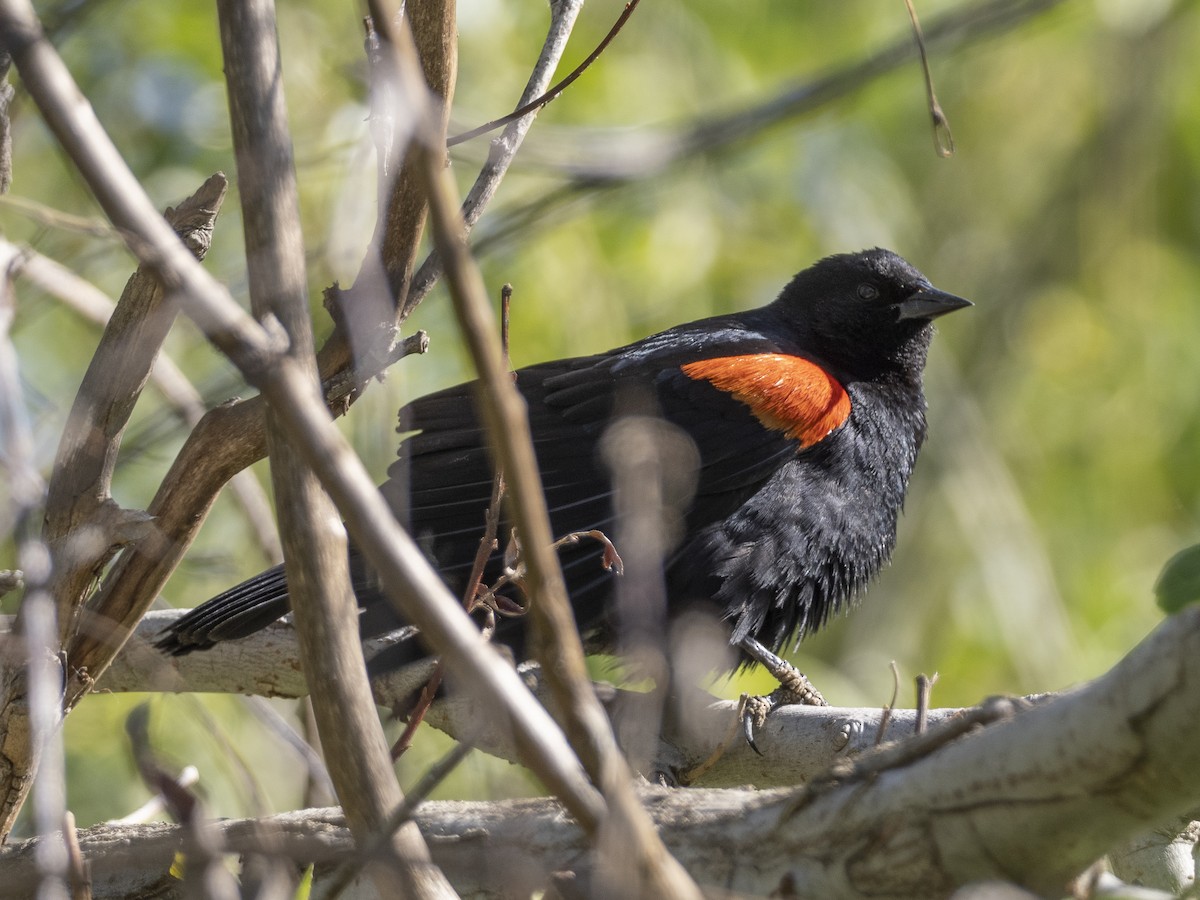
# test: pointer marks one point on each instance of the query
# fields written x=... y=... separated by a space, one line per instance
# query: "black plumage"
x=806 y=414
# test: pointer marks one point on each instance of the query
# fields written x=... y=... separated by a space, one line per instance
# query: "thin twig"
x=506 y=293
x=925 y=685
x=886 y=718
x=252 y=790
x=49 y=217
x=416 y=715
x=275 y=723
x=551 y=94
x=943 y=140
x=516 y=572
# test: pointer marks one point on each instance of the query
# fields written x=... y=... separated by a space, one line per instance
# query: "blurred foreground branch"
x=325 y=609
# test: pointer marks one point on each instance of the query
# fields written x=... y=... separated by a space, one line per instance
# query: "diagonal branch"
x=626 y=829
x=367 y=314
x=176 y=389
x=503 y=151
x=82 y=520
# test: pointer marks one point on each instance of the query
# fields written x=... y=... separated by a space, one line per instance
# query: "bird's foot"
x=794 y=689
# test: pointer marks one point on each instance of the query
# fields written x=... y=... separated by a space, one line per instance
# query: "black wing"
x=440 y=485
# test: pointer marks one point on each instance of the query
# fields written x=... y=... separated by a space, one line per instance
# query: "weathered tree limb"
x=1033 y=799
x=82 y=521
x=798 y=742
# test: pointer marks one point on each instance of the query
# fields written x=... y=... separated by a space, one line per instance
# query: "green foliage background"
x=1061 y=471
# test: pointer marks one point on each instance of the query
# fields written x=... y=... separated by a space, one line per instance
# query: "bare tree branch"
x=503 y=150
x=405 y=575
x=626 y=832
x=369 y=313
x=324 y=607
x=1100 y=764
x=80 y=514
x=798 y=742
x=174 y=386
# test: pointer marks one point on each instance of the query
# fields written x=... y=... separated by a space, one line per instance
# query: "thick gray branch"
x=797 y=742
x=1035 y=798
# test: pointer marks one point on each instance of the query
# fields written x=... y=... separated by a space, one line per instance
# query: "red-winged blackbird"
x=807 y=415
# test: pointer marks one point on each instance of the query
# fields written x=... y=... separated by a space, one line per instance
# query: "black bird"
x=807 y=415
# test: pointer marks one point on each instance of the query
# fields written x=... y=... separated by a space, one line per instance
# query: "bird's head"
x=865 y=312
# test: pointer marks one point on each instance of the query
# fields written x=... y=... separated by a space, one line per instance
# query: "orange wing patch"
x=785 y=393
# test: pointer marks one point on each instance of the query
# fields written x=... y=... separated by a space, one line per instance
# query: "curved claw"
x=754 y=715
x=748 y=730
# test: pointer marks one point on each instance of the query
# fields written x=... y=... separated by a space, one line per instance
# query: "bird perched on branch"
x=806 y=416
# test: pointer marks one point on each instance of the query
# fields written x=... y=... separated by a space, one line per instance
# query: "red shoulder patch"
x=785 y=393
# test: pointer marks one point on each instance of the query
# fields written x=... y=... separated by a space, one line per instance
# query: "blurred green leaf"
x=1178 y=584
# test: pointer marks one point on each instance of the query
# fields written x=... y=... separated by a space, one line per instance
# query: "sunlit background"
x=1061 y=469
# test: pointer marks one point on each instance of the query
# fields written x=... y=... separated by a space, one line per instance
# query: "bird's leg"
x=794 y=688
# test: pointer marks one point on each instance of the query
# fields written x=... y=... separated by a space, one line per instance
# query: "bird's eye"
x=868 y=291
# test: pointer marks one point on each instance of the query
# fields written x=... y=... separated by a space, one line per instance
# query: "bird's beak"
x=929 y=303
